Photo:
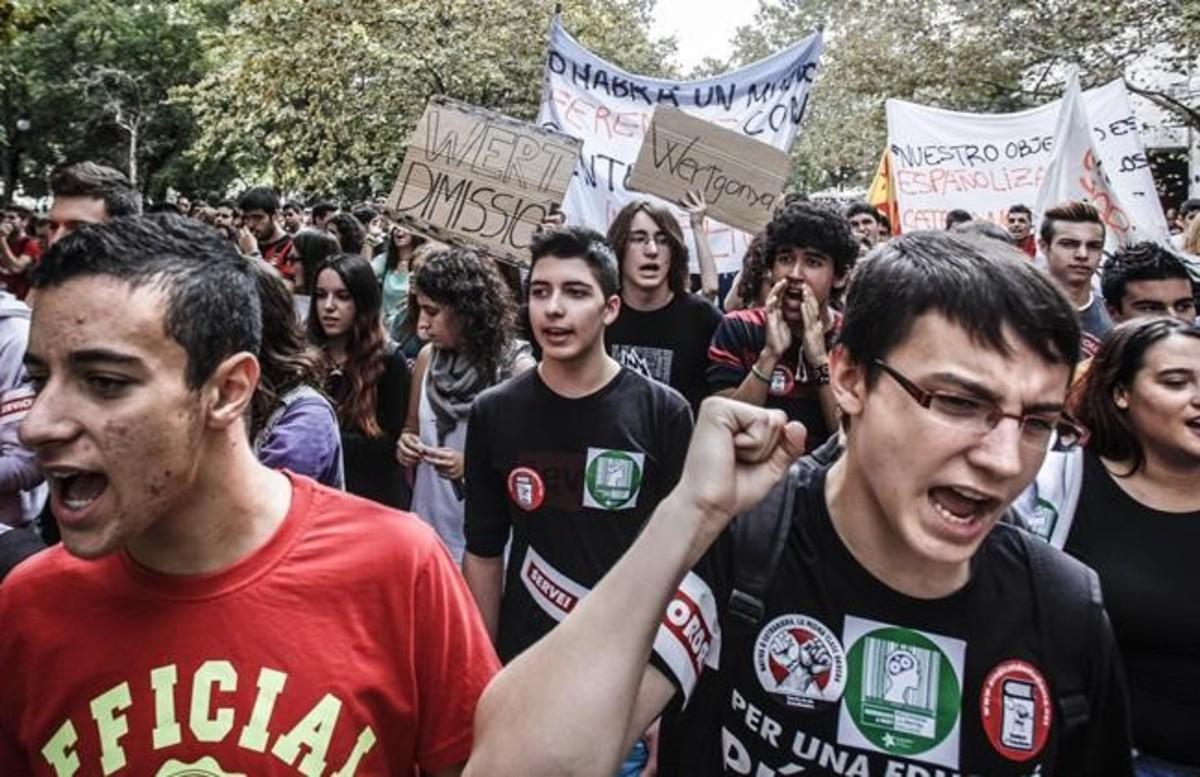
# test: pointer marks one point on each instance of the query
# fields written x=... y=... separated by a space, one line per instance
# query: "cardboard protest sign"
x=987 y=163
x=474 y=176
x=740 y=178
x=610 y=109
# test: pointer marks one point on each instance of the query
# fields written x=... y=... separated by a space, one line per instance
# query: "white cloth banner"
x=986 y=163
x=1075 y=172
x=609 y=109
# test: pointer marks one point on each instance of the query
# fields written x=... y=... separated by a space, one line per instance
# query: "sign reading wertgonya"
x=477 y=177
x=740 y=178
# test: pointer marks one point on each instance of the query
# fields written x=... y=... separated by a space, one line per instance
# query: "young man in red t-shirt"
x=261 y=233
x=19 y=251
x=205 y=614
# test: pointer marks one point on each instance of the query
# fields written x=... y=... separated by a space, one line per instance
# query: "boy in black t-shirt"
x=778 y=355
x=569 y=459
x=902 y=632
x=662 y=330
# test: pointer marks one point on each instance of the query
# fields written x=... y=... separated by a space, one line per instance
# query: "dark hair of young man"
x=259 y=198
x=1145 y=261
x=233 y=206
x=350 y=232
x=212 y=306
x=981 y=285
x=365 y=215
x=1019 y=208
x=1187 y=207
x=285 y=358
x=622 y=226
x=293 y=205
x=1121 y=355
x=88 y=179
x=958 y=216
x=575 y=242
x=1073 y=211
x=859 y=207
x=323 y=209
x=811 y=226
x=983 y=229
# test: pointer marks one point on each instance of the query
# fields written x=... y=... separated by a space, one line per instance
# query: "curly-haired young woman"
x=467 y=316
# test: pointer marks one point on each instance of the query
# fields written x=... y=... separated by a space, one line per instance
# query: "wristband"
x=821 y=374
x=758 y=374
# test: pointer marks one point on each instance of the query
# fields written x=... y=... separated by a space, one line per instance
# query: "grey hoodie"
x=18 y=470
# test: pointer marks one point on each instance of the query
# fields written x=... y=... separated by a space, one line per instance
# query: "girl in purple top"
x=292 y=424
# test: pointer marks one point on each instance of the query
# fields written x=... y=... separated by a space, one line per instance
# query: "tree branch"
x=1167 y=102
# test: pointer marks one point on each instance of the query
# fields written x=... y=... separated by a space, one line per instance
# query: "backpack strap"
x=287 y=400
x=1068 y=603
x=760 y=534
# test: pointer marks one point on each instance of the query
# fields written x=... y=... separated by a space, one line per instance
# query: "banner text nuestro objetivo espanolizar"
x=986 y=163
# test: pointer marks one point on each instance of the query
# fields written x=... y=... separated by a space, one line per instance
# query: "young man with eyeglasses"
x=662 y=331
x=904 y=631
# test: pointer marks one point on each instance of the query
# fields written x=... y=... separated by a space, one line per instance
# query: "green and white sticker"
x=612 y=479
x=903 y=692
x=1044 y=518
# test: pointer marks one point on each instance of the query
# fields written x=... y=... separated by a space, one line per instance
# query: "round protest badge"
x=782 y=382
x=800 y=661
x=526 y=489
x=1016 y=711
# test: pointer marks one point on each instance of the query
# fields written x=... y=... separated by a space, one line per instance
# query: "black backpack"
x=1066 y=591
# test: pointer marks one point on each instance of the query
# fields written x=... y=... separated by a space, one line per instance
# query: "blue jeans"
x=1149 y=766
x=635 y=761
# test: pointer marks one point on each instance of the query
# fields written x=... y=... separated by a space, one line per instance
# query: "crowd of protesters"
x=326 y=496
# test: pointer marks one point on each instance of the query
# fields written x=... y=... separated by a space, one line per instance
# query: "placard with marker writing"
x=472 y=176
x=741 y=178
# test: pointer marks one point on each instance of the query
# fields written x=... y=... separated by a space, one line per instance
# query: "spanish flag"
x=882 y=194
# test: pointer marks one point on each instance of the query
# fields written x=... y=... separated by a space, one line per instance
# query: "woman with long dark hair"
x=1137 y=524
x=468 y=316
x=393 y=269
x=368 y=378
x=292 y=424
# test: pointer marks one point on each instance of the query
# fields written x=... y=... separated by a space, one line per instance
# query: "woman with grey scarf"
x=467 y=316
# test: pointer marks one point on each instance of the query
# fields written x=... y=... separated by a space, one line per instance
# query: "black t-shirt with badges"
x=669 y=345
x=845 y=676
x=573 y=480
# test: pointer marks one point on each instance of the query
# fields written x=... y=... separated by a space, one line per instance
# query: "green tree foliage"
x=319 y=96
x=92 y=80
x=987 y=55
